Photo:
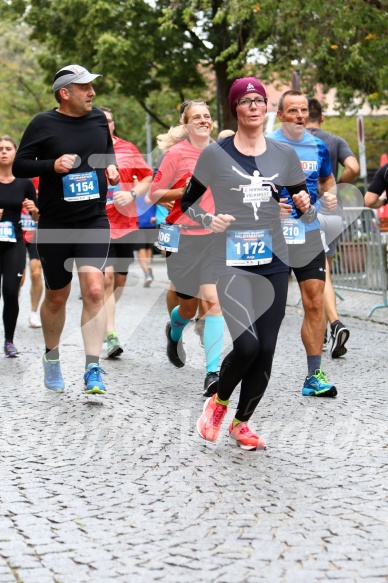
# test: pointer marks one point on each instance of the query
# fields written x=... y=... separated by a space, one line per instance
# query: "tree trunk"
x=226 y=120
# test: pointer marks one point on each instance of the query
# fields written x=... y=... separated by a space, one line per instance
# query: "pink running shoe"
x=243 y=437
x=209 y=424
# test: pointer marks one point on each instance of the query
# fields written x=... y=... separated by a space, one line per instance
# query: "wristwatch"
x=206 y=221
x=309 y=216
x=133 y=192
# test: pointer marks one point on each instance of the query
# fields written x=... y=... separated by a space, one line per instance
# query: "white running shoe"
x=35 y=320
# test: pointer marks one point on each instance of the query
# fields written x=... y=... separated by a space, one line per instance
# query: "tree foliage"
x=183 y=49
x=340 y=44
x=22 y=87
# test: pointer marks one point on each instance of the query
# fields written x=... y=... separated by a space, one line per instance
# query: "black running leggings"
x=12 y=264
x=253 y=307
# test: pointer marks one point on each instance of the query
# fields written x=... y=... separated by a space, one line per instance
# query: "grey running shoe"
x=148 y=279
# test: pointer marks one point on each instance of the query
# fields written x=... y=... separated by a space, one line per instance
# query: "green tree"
x=122 y=38
x=183 y=49
x=23 y=92
x=141 y=49
x=338 y=43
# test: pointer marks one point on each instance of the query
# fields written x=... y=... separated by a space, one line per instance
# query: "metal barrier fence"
x=360 y=263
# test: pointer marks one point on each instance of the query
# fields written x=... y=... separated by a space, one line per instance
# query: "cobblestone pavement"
x=121 y=488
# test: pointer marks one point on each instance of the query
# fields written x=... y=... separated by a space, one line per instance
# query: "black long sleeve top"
x=49 y=136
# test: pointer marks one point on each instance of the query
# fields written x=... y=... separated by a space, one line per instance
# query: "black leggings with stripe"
x=253 y=307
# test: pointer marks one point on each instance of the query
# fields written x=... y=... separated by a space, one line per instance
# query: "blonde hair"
x=178 y=133
x=173 y=136
x=225 y=134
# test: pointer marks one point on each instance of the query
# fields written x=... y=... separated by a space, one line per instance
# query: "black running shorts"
x=146 y=238
x=308 y=261
x=120 y=254
x=60 y=245
x=32 y=249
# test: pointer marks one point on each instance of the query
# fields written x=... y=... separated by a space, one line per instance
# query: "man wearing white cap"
x=71 y=150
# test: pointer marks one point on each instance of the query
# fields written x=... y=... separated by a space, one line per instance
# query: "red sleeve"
x=131 y=164
x=166 y=174
x=35 y=182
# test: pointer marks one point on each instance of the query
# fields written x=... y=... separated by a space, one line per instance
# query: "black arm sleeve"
x=192 y=194
x=297 y=188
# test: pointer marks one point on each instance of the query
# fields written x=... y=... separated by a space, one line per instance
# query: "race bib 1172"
x=248 y=247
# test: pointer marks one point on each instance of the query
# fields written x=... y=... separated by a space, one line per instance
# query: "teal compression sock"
x=177 y=324
x=213 y=338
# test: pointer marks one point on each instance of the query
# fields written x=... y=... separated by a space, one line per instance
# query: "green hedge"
x=376 y=135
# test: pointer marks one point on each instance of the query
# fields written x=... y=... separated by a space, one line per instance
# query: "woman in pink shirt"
x=188 y=246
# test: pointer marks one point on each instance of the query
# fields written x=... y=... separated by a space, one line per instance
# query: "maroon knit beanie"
x=242 y=86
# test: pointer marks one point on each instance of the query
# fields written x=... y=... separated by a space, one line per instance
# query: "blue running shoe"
x=53 y=379
x=317 y=385
x=93 y=380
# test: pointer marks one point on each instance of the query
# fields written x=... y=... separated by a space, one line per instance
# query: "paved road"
x=121 y=488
